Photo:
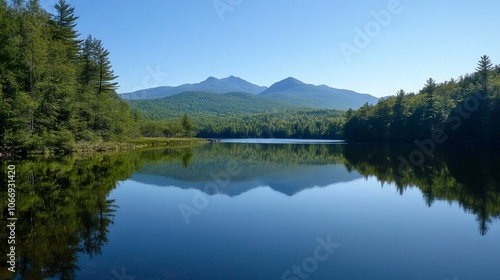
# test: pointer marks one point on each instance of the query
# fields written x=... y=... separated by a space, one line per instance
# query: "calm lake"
x=266 y=210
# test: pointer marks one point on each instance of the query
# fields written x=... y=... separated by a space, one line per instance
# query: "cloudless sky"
x=171 y=42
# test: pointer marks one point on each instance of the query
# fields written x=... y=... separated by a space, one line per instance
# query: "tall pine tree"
x=106 y=75
x=96 y=71
x=64 y=21
x=484 y=68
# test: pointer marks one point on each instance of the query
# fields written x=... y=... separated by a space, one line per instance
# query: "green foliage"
x=202 y=104
x=484 y=68
x=64 y=21
x=235 y=115
x=467 y=110
x=187 y=125
x=150 y=128
x=55 y=90
x=319 y=124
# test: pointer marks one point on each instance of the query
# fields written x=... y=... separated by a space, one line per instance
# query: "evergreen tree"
x=430 y=118
x=105 y=73
x=87 y=77
x=137 y=117
x=64 y=21
x=96 y=70
x=397 y=127
x=187 y=125
x=484 y=68
x=478 y=127
x=87 y=67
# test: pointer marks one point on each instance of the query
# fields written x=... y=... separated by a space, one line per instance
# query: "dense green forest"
x=308 y=124
x=466 y=110
x=55 y=89
x=235 y=115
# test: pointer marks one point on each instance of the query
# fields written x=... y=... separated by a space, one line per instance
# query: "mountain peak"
x=211 y=79
x=242 y=85
x=231 y=78
x=289 y=82
x=284 y=85
x=292 y=80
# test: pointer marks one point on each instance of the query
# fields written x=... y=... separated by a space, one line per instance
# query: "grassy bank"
x=156 y=142
x=138 y=143
x=129 y=144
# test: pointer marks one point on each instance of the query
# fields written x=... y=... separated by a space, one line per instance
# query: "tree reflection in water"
x=63 y=208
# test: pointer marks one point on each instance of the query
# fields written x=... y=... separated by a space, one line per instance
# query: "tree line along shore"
x=58 y=94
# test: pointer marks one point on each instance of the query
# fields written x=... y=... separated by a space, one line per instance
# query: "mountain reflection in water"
x=63 y=208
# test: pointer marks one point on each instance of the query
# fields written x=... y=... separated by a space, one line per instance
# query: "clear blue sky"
x=264 y=41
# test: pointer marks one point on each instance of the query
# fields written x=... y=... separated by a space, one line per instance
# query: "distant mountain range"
x=298 y=93
x=213 y=85
x=288 y=92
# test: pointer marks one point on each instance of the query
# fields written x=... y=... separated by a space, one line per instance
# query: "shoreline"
x=130 y=144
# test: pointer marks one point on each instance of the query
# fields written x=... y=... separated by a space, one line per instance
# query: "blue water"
x=259 y=211
x=262 y=233
x=253 y=228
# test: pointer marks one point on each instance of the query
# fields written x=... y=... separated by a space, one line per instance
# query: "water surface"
x=277 y=141
x=260 y=211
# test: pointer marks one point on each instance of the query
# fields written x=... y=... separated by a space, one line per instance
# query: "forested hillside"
x=466 y=110
x=55 y=89
x=203 y=104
